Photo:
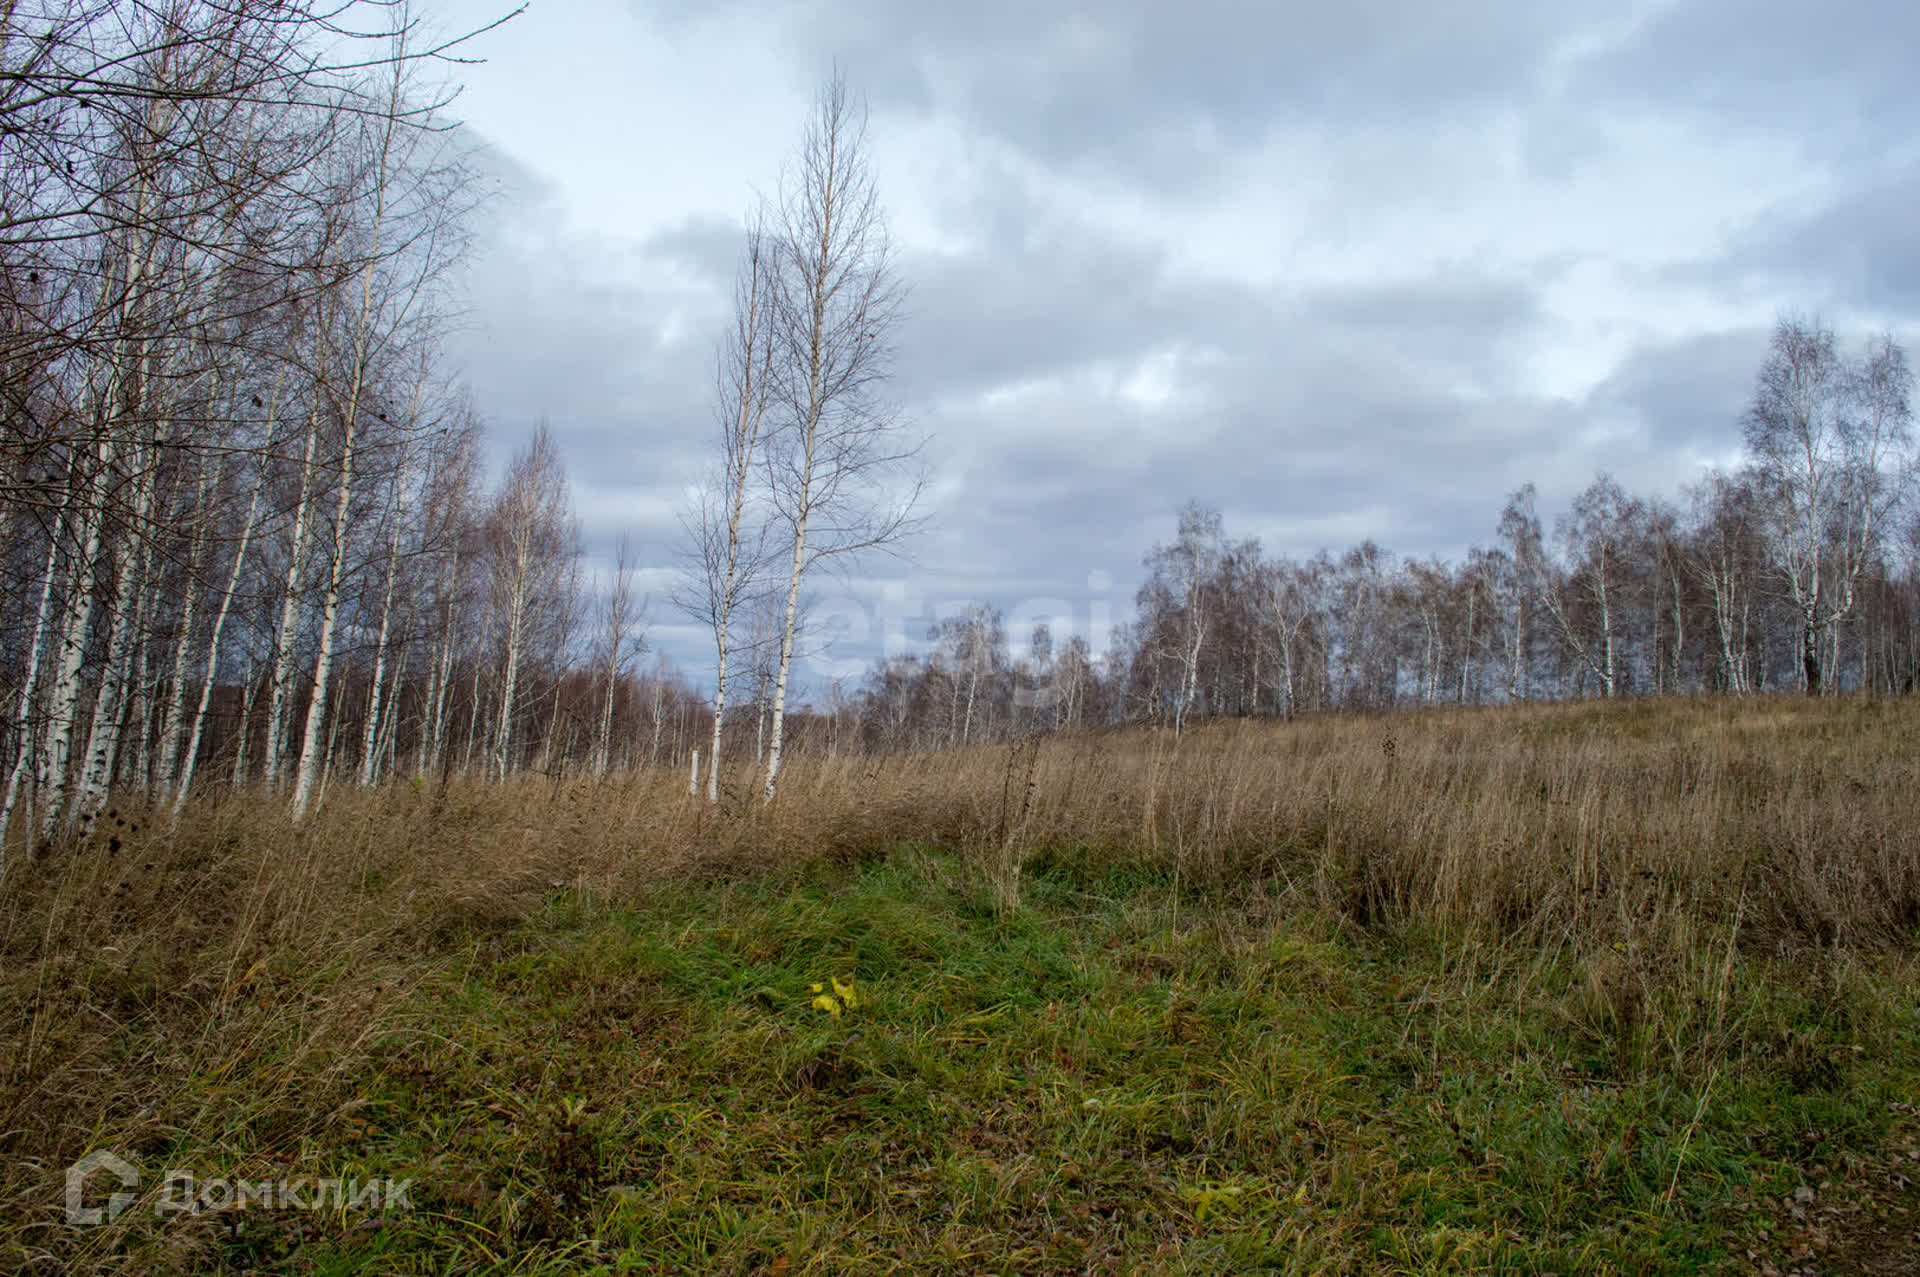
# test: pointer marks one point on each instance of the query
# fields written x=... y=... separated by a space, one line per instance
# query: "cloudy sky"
x=1343 y=271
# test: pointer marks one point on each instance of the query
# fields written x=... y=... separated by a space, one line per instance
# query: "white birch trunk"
x=190 y=755
x=274 y=748
x=164 y=777
x=310 y=753
x=776 y=737
x=23 y=706
x=370 y=732
x=239 y=777
x=390 y=717
x=306 y=770
x=441 y=685
x=128 y=591
x=54 y=765
x=603 y=748
x=509 y=677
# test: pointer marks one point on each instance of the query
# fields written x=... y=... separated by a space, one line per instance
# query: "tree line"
x=1799 y=571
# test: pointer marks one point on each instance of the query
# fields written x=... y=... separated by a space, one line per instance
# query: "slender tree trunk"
x=24 y=702
x=1810 y=648
x=274 y=748
x=136 y=770
x=473 y=722
x=390 y=719
x=191 y=751
x=126 y=598
x=239 y=778
x=333 y=737
x=305 y=772
x=509 y=685
x=659 y=720
x=1466 y=651
x=786 y=647
x=441 y=687
x=54 y=770
x=973 y=683
x=603 y=747
x=350 y=410
x=164 y=777
x=370 y=732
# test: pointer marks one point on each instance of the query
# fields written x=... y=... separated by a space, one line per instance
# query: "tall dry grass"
x=1571 y=816
x=243 y=946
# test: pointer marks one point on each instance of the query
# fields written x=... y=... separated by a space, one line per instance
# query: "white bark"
x=23 y=705
x=370 y=730
x=836 y=304
x=777 y=734
x=441 y=687
x=727 y=565
x=307 y=768
x=164 y=777
x=128 y=589
x=292 y=597
x=350 y=408
x=619 y=621
x=190 y=755
x=520 y=570
x=239 y=778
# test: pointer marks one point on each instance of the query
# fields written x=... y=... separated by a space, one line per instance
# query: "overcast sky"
x=1343 y=271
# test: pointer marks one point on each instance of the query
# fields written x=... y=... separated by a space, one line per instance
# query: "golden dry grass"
x=1803 y=816
x=245 y=947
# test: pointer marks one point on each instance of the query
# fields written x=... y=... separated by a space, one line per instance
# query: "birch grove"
x=241 y=514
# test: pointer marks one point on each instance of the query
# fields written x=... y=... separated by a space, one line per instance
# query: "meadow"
x=1570 y=989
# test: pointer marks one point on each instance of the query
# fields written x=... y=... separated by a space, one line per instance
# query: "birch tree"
x=387 y=162
x=839 y=448
x=620 y=641
x=1726 y=558
x=531 y=545
x=1820 y=435
x=729 y=535
x=1189 y=568
x=1598 y=535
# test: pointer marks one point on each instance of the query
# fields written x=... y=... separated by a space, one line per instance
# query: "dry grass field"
x=1571 y=988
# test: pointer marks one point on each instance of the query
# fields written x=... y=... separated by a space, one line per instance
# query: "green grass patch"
x=1118 y=1074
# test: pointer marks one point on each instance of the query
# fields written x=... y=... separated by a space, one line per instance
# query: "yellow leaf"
x=846 y=992
x=826 y=1003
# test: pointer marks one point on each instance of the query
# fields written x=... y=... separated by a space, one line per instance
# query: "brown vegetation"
x=1665 y=827
x=1800 y=817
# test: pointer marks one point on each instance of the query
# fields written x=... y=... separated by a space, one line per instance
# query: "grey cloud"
x=1395 y=408
x=1296 y=407
x=1836 y=79
x=1861 y=250
x=1457 y=318
x=1146 y=87
x=707 y=249
x=1310 y=410
x=1688 y=395
x=581 y=332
